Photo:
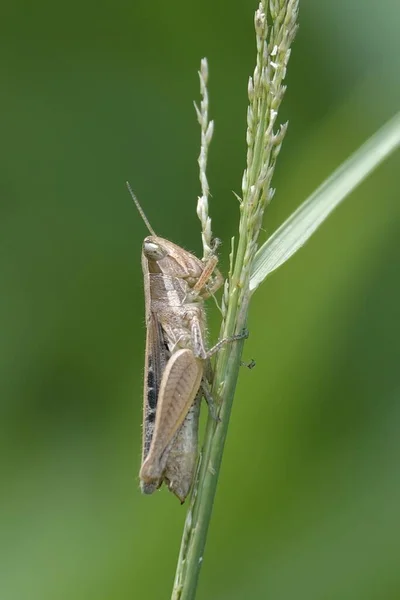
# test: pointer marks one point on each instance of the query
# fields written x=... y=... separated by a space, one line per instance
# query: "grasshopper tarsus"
x=249 y=365
x=244 y=334
x=215 y=244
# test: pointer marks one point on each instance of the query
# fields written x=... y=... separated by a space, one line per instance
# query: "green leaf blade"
x=300 y=226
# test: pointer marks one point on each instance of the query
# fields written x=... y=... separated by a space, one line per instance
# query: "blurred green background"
x=308 y=502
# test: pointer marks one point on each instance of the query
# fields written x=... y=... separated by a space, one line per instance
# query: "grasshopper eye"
x=152 y=250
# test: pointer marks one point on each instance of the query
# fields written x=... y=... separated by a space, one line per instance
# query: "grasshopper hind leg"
x=173 y=433
x=183 y=454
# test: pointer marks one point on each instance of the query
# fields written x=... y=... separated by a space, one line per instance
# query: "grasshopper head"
x=153 y=249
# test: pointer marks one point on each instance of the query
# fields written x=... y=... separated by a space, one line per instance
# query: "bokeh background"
x=308 y=503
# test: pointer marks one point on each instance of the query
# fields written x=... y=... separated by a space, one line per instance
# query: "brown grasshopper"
x=177 y=365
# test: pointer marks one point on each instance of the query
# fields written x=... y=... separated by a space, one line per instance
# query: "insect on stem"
x=177 y=363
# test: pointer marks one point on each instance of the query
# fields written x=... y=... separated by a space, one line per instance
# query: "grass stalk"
x=275 y=27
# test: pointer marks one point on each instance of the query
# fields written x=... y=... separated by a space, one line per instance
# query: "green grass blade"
x=299 y=227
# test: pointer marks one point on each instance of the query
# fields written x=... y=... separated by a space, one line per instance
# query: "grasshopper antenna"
x=140 y=209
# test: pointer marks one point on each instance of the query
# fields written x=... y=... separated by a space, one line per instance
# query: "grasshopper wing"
x=157 y=355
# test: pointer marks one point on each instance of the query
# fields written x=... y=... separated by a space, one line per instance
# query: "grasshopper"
x=177 y=363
